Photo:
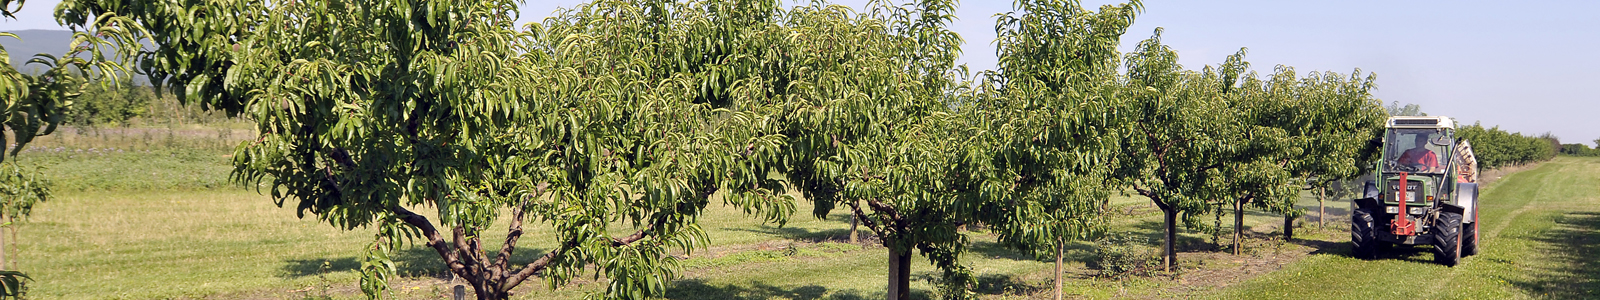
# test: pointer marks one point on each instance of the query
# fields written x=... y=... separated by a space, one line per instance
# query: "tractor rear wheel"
x=1469 y=237
x=1363 y=244
x=1447 y=239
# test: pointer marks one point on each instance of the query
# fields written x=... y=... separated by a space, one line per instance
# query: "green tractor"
x=1424 y=192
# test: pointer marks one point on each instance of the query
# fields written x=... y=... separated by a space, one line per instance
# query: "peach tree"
x=432 y=120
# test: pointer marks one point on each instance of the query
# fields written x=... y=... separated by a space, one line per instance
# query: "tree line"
x=1497 y=148
x=616 y=123
x=1576 y=149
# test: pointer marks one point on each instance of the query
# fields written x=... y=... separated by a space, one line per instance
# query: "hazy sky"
x=1528 y=66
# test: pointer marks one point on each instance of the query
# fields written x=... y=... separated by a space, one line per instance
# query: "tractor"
x=1424 y=191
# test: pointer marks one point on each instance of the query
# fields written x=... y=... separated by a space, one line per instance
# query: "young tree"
x=1253 y=174
x=1315 y=127
x=32 y=105
x=871 y=130
x=1334 y=130
x=1051 y=111
x=1179 y=132
x=599 y=123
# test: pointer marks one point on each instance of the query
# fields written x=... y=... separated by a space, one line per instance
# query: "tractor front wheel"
x=1447 y=239
x=1363 y=244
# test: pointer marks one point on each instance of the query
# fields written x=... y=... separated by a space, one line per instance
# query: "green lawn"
x=164 y=223
x=1541 y=239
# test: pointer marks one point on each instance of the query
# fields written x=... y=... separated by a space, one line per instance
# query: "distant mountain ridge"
x=53 y=42
x=35 y=41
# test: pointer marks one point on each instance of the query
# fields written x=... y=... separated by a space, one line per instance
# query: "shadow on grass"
x=987 y=285
x=1155 y=230
x=1575 y=243
x=700 y=289
x=415 y=261
x=804 y=234
x=1001 y=284
x=1340 y=248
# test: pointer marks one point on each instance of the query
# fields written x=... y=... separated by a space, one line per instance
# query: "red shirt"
x=1420 y=156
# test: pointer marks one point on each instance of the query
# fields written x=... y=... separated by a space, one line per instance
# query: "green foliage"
x=1579 y=150
x=870 y=128
x=1050 y=112
x=1222 y=135
x=1181 y=130
x=11 y=285
x=1410 y=109
x=1304 y=132
x=113 y=105
x=614 y=122
x=21 y=189
x=1496 y=148
x=598 y=122
x=1122 y=255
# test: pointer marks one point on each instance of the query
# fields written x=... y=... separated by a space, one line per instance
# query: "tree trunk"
x=1322 y=213
x=3 y=256
x=1288 y=227
x=899 y=274
x=1238 y=226
x=1061 y=248
x=853 y=222
x=487 y=291
x=14 y=249
x=1170 y=260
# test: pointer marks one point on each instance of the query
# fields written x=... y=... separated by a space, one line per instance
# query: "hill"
x=54 y=42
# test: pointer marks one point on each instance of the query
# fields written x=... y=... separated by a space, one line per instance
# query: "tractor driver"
x=1420 y=156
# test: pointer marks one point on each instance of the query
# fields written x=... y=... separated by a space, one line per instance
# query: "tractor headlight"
x=1416 y=210
x=1392 y=210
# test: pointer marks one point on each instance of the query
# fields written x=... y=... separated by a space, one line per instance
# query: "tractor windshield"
x=1415 y=150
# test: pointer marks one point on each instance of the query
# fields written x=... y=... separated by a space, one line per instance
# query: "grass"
x=234 y=243
x=1541 y=238
x=170 y=158
x=147 y=212
x=105 y=245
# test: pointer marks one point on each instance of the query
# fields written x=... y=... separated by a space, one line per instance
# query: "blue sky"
x=1528 y=66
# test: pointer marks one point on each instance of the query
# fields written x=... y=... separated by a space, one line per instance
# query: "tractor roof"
x=1421 y=122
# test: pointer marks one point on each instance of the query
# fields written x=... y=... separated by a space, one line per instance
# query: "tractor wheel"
x=1469 y=237
x=1447 y=239
x=1363 y=244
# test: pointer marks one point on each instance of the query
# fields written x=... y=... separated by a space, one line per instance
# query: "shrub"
x=1118 y=256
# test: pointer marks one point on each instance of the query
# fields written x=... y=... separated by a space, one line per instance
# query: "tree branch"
x=539 y=265
x=503 y=260
x=884 y=208
x=434 y=240
x=862 y=216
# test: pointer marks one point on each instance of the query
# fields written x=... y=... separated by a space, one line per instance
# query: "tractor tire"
x=1469 y=237
x=1363 y=243
x=1447 y=239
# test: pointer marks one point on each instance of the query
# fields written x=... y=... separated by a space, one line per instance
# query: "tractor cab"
x=1415 y=160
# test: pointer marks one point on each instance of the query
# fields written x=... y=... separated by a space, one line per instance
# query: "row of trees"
x=1580 y=149
x=1496 y=148
x=615 y=123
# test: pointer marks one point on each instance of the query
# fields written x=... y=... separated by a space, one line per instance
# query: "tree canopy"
x=615 y=123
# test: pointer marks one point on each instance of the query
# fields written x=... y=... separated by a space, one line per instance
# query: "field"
x=1541 y=231
x=150 y=220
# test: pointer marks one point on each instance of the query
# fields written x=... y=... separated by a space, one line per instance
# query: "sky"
x=1526 y=66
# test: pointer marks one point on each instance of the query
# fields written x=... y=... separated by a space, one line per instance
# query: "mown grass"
x=234 y=243
x=147 y=245
x=148 y=212
x=1541 y=239
x=171 y=158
